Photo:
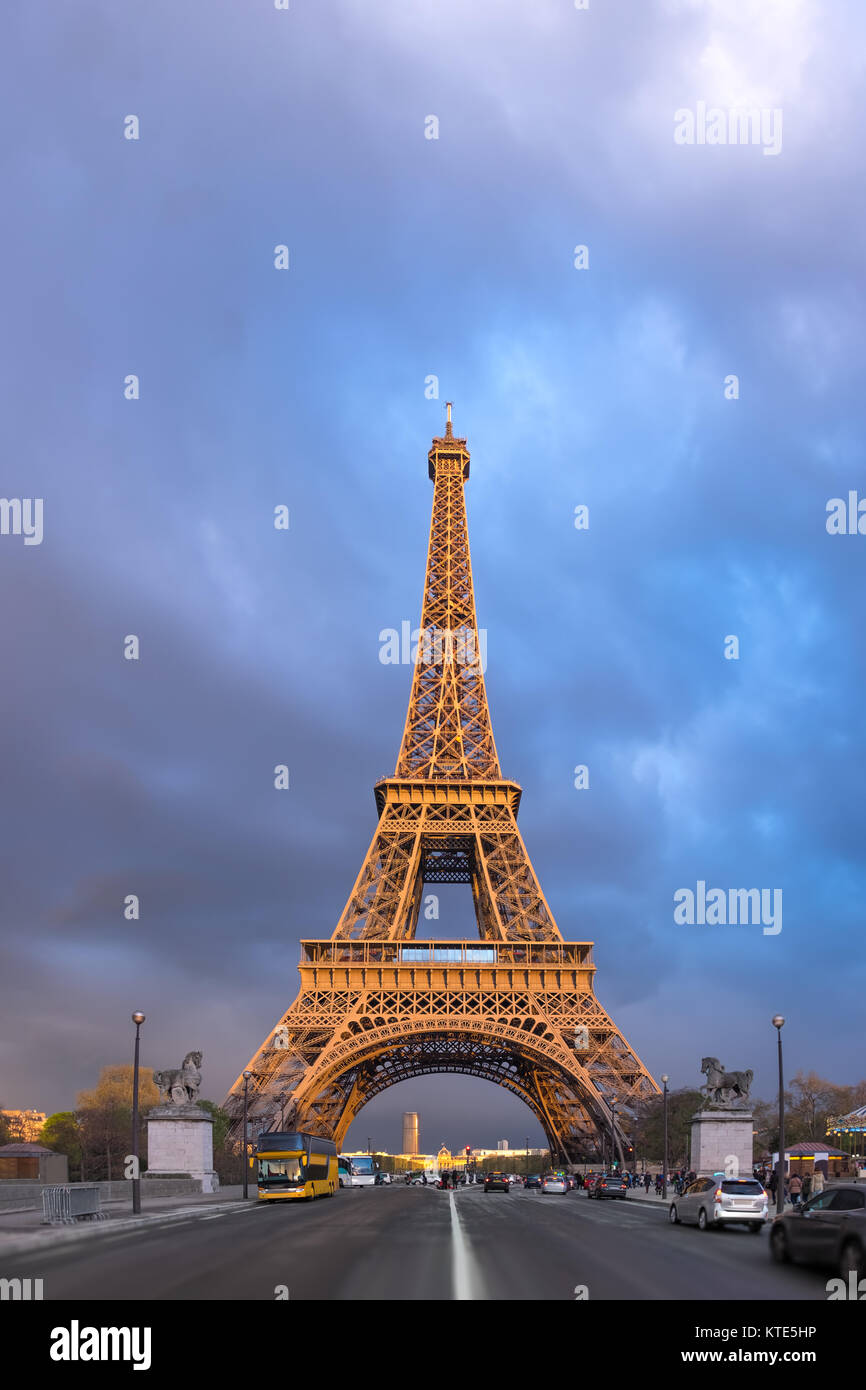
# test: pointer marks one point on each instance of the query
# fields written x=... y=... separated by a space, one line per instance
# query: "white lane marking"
x=465 y=1279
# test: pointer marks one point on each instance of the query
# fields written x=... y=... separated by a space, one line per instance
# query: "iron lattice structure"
x=516 y=1007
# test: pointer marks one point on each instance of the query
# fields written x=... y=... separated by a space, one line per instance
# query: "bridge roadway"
x=402 y=1243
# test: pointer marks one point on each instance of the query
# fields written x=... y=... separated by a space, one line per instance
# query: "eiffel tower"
x=515 y=1006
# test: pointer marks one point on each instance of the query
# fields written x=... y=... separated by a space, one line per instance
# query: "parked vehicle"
x=829 y=1229
x=720 y=1202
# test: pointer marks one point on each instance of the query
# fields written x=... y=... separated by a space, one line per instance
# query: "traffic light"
x=468 y=1150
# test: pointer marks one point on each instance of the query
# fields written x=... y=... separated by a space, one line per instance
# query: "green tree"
x=5 y=1130
x=104 y=1118
x=61 y=1132
x=221 y=1121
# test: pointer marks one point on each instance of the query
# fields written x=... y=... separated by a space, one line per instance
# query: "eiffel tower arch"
x=515 y=1006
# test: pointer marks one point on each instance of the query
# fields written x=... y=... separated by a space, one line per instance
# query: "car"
x=609 y=1185
x=533 y=1180
x=829 y=1229
x=497 y=1182
x=720 y=1201
x=554 y=1182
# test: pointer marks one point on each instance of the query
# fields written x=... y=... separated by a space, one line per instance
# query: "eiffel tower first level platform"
x=516 y=1005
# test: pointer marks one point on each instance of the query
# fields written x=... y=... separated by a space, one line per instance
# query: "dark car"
x=534 y=1180
x=610 y=1185
x=829 y=1229
x=497 y=1182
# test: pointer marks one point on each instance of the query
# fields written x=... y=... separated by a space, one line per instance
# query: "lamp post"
x=665 y=1080
x=778 y=1023
x=612 y=1132
x=138 y=1019
x=247 y=1075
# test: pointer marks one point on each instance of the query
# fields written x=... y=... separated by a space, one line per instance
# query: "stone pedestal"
x=718 y=1137
x=180 y=1145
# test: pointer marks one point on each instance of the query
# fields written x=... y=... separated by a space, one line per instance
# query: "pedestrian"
x=806 y=1191
x=647 y=1180
x=817 y=1181
x=772 y=1183
x=795 y=1187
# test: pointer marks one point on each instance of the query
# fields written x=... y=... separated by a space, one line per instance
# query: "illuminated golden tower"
x=516 y=1007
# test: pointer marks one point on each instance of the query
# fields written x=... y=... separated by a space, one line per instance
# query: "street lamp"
x=665 y=1080
x=138 y=1019
x=778 y=1023
x=247 y=1075
x=612 y=1132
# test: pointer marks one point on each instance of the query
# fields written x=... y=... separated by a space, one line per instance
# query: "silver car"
x=720 y=1202
x=552 y=1182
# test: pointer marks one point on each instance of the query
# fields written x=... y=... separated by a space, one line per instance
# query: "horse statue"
x=179 y=1085
x=725 y=1087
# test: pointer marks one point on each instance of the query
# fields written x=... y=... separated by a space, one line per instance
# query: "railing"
x=64 y=1205
x=466 y=953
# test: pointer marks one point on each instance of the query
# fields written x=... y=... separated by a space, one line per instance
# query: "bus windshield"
x=281 y=1168
x=364 y=1165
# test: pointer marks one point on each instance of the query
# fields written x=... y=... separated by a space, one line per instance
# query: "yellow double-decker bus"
x=295 y=1167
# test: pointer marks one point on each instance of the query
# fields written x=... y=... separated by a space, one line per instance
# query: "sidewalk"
x=22 y=1231
x=638 y=1193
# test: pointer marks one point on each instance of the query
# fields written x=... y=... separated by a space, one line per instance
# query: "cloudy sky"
x=412 y=257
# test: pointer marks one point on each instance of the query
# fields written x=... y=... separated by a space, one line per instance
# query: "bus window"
x=279 y=1168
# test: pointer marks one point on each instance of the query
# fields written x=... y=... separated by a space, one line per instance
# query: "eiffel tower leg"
x=385 y=900
x=508 y=894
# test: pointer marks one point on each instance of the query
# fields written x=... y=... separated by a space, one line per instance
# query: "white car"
x=552 y=1182
x=721 y=1201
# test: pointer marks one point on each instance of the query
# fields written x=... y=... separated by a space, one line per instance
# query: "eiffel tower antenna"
x=517 y=1004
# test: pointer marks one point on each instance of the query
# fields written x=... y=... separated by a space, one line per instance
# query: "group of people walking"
x=798 y=1189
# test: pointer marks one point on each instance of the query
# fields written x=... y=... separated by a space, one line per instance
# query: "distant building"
x=33 y=1162
x=24 y=1125
x=503 y=1146
x=410 y=1132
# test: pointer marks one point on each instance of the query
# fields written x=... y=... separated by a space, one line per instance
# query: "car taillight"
x=717 y=1195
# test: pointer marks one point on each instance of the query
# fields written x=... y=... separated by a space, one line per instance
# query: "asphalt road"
x=420 y=1243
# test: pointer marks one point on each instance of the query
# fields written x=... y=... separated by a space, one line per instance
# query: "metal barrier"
x=62 y=1205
